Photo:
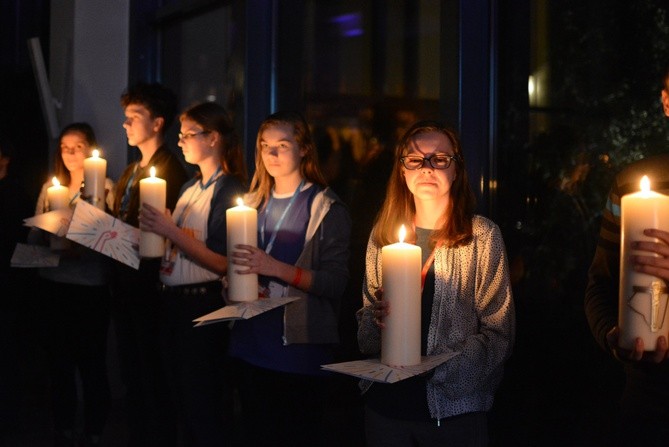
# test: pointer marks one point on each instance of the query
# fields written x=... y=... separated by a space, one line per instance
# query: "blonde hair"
x=262 y=182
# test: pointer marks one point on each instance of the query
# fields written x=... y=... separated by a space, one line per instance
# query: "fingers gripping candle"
x=242 y=228
x=152 y=190
x=401 y=270
x=643 y=298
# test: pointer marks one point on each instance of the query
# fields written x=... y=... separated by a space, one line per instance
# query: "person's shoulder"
x=482 y=222
x=166 y=157
x=482 y=225
x=165 y=154
x=229 y=184
x=330 y=194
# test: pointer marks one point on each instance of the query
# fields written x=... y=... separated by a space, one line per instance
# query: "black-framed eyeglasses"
x=185 y=136
x=79 y=149
x=437 y=161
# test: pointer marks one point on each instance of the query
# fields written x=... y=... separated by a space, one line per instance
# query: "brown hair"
x=160 y=101
x=399 y=209
x=214 y=118
x=262 y=182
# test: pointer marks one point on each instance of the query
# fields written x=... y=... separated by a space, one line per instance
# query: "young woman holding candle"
x=303 y=236
x=466 y=303
x=74 y=305
x=192 y=270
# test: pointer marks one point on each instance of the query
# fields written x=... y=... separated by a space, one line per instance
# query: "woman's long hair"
x=60 y=170
x=262 y=183
x=399 y=208
x=214 y=118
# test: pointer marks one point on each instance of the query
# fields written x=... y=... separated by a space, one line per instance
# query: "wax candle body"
x=242 y=228
x=95 y=172
x=58 y=197
x=643 y=298
x=400 y=339
x=152 y=190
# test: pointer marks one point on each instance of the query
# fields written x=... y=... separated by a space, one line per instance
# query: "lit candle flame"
x=55 y=181
x=96 y=153
x=240 y=201
x=152 y=171
x=645 y=184
x=403 y=233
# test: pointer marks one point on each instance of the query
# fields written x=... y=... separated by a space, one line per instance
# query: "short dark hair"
x=160 y=101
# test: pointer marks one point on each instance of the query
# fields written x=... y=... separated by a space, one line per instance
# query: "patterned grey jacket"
x=473 y=315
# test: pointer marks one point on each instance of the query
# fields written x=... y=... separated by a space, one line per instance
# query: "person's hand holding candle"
x=153 y=220
x=656 y=261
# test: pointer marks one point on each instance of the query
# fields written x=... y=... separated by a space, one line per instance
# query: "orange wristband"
x=298 y=276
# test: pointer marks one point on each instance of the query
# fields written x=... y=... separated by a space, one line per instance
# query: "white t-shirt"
x=191 y=214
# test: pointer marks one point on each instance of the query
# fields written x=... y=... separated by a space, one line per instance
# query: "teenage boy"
x=149 y=110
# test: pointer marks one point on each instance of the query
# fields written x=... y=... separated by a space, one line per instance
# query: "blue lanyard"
x=278 y=224
x=203 y=188
x=74 y=198
x=126 y=194
x=211 y=180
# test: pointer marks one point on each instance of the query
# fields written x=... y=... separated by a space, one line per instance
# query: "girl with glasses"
x=466 y=304
x=192 y=270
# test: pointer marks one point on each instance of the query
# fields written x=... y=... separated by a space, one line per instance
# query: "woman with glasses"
x=466 y=304
x=74 y=305
x=303 y=250
x=191 y=273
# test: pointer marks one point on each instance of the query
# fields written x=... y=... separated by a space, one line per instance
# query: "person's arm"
x=369 y=333
x=482 y=354
x=329 y=273
x=601 y=293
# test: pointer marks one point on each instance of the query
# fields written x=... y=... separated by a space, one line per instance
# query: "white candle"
x=643 y=301
x=58 y=197
x=152 y=190
x=242 y=228
x=401 y=269
x=95 y=173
